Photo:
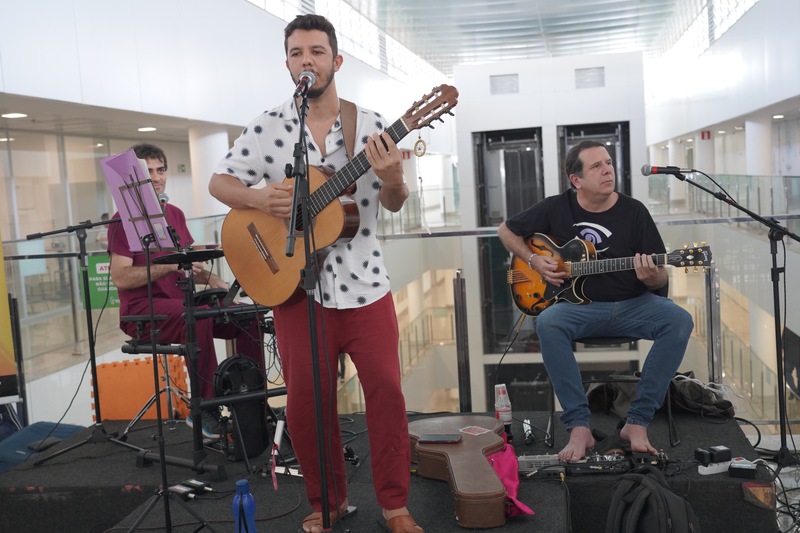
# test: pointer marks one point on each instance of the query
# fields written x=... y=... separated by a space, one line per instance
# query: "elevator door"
x=509 y=173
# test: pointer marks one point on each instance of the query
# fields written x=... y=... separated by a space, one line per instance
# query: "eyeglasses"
x=160 y=170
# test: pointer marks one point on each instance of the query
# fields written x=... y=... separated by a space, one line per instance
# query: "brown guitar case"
x=480 y=497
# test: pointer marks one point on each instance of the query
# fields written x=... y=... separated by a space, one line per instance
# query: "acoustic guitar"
x=578 y=258
x=255 y=242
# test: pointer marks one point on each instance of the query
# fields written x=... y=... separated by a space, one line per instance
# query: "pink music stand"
x=139 y=210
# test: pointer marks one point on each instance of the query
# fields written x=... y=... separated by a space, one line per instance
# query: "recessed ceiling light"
x=777 y=117
x=6 y=139
x=13 y=115
x=99 y=145
x=689 y=140
x=738 y=128
x=721 y=132
x=147 y=128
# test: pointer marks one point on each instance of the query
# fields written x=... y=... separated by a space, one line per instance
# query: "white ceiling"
x=480 y=31
x=445 y=33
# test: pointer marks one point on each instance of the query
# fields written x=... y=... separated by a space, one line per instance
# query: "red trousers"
x=249 y=339
x=369 y=335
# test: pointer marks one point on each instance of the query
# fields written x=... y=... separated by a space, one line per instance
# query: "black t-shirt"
x=621 y=231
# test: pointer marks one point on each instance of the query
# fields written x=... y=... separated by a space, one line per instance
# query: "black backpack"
x=642 y=501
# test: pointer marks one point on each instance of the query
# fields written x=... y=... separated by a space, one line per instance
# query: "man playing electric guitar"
x=619 y=304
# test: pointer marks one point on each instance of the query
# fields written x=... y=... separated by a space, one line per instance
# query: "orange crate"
x=125 y=387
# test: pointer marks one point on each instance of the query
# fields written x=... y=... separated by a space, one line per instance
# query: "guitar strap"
x=347 y=110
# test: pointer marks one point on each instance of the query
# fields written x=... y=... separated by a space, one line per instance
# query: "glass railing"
x=766 y=196
x=45 y=278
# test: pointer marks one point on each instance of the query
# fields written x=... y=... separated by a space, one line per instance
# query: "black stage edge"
x=100 y=487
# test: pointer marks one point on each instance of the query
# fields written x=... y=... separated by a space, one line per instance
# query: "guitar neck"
x=349 y=174
x=603 y=266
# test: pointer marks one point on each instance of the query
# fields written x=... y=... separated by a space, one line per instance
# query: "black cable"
x=518 y=326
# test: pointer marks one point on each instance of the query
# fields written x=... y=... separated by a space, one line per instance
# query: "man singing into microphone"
x=355 y=296
x=129 y=274
x=629 y=303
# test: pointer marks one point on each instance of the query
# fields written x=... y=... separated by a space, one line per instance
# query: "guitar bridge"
x=261 y=246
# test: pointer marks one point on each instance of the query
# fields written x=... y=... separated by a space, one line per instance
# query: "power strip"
x=713 y=468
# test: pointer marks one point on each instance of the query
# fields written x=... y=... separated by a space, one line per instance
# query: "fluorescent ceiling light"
x=147 y=128
x=13 y=115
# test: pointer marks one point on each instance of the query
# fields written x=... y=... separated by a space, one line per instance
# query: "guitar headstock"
x=690 y=257
x=431 y=107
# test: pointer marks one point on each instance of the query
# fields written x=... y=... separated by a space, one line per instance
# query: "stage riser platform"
x=98 y=486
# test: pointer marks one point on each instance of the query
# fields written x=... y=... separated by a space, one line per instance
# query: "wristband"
x=529 y=260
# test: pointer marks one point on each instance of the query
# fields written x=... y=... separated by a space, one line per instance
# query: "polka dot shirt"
x=353 y=273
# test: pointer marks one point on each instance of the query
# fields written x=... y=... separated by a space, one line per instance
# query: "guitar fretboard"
x=354 y=169
x=601 y=266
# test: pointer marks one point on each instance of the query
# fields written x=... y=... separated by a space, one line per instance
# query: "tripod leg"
x=203 y=522
x=98 y=435
x=140 y=414
x=149 y=508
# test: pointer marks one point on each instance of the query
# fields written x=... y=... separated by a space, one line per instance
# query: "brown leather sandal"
x=401 y=524
x=315 y=519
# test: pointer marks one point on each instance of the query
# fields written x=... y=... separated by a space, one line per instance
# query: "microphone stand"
x=99 y=433
x=776 y=233
x=308 y=282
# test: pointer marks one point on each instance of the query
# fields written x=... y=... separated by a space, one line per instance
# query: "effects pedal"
x=600 y=464
x=530 y=464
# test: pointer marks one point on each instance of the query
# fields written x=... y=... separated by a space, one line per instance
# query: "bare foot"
x=637 y=436
x=580 y=438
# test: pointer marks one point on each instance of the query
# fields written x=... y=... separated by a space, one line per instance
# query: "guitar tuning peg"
x=685 y=245
x=431 y=126
x=694 y=245
x=703 y=243
x=686 y=270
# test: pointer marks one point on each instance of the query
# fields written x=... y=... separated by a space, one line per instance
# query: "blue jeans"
x=646 y=317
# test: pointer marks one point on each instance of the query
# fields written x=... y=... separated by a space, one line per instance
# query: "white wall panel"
x=209 y=60
x=752 y=66
x=38 y=49
x=548 y=98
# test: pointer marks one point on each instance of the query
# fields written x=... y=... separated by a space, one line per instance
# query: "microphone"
x=304 y=83
x=163 y=199
x=647 y=170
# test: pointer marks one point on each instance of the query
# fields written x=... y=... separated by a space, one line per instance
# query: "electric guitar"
x=255 y=242
x=578 y=258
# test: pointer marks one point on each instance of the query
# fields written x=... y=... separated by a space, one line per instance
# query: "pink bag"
x=506 y=467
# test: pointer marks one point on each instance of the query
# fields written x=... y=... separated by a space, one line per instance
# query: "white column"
x=758 y=146
x=677 y=158
x=207 y=145
x=655 y=155
x=704 y=151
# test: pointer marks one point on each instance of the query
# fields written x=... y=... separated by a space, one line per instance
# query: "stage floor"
x=99 y=487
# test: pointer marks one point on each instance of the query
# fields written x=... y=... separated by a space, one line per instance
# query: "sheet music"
x=135 y=197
